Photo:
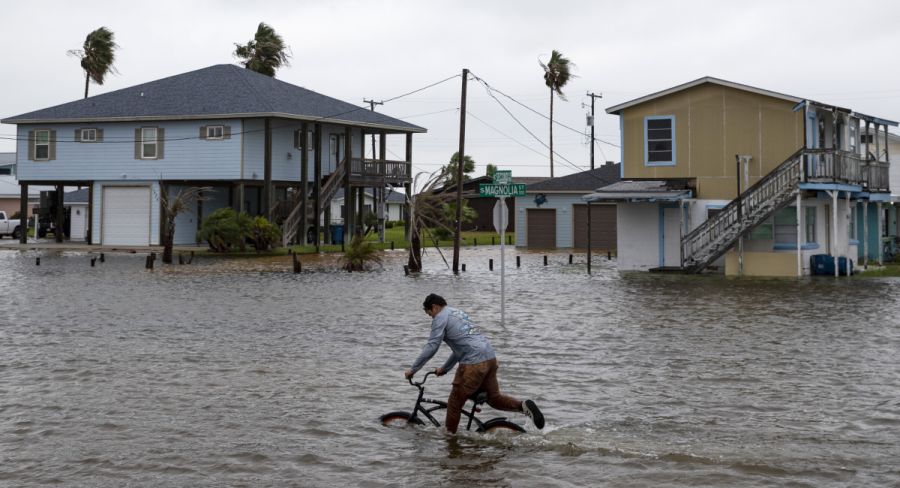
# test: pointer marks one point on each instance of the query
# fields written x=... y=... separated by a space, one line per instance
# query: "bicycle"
x=400 y=417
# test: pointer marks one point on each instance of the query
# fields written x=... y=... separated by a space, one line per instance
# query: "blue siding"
x=185 y=155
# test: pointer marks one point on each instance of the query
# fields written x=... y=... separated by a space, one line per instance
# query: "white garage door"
x=126 y=216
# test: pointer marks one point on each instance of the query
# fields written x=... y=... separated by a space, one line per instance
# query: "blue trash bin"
x=823 y=264
x=337 y=234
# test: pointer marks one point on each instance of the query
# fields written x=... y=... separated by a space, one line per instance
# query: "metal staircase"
x=328 y=190
x=711 y=239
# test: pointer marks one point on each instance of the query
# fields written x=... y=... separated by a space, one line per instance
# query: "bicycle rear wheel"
x=501 y=425
x=399 y=419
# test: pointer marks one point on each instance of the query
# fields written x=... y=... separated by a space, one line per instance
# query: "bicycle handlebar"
x=424 y=378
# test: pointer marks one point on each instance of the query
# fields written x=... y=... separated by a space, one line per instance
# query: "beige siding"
x=712 y=124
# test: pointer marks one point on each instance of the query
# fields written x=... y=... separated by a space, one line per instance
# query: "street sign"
x=503 y=177
x=501 y=216
x=513 y=190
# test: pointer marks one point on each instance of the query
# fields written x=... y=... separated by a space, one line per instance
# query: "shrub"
x=264 y=235
x=388 y=224
x=359 y=254
x=224 y=229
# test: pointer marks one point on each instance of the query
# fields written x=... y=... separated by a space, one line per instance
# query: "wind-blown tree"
x=490 y=170
x=556 y=74
x=97 y=56
x=265 y=53
x=175 y=204
x=451 y=169
x=428 y=216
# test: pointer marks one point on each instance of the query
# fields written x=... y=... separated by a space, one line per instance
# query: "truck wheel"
x=17 y=233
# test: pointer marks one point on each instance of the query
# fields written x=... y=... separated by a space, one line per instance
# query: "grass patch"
x=889 y=270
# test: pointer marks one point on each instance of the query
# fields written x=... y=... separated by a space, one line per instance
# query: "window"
x=659 y=132
x=215 y=132
x=148 y=143
x=786 y=226
x=298 y=142
x=762 y=232
x=88 y=135
x=810 y=223
x=854 y=129
x=42 y=145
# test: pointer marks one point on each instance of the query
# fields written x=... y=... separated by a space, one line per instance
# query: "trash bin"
x=337 y=234
x=823 y=264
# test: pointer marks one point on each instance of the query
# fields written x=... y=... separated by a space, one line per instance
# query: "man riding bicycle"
x=478 y=366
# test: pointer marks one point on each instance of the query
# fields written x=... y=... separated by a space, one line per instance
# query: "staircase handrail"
x=762 y=191
x=327 y=191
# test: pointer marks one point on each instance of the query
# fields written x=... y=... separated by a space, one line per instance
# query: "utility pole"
x=594 y=97
x=372 y=104
x=460 y=164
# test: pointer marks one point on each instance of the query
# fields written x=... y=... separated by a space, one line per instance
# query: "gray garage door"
x=541 y=227
x=603 y=227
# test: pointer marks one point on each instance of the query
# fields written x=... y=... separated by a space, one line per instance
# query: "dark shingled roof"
x=586 y=181
x=220 y=91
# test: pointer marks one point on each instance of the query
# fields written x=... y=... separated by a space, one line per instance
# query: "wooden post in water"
x=464 y=267
x=570 y=259
x=490 y=264
x=102 y=258
x=297 y=265
x=93 y=261
x=37 y=261
x=545 y=260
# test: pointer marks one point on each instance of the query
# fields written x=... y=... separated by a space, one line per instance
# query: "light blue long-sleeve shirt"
x=453 y=326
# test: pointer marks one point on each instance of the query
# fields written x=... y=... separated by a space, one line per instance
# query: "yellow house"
x=720 y=175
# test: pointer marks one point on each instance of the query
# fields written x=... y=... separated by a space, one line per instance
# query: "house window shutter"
x=202 y=132
x=77 y=135
x=137 y=143
x=52 y=151
x=160 y=140
x=226 y=132
x=99 y=135
x=31 y=145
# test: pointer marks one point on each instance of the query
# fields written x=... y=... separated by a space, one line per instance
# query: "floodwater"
x=240 y=373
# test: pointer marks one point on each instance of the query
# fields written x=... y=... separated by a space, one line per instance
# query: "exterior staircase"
x=328 y=190
x=711 y=239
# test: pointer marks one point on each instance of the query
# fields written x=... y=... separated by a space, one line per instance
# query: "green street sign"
x=516 y=190
x=503 y=177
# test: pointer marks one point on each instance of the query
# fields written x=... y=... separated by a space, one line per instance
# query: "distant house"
x=554 y=215
x=484 y=206
x=258 y=143
x=394 y=202
x=811 y=189
x=7 y=164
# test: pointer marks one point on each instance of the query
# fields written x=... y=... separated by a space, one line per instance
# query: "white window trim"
x=155 y=142
x=37 y=144
x=210 y=132
x=647 y=161
x=84 y=133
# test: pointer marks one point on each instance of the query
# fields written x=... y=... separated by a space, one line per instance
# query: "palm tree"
x=97 y=56
x=265 y=53
x=556 y=75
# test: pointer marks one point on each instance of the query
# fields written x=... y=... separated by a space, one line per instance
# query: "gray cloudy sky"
x=834 y=51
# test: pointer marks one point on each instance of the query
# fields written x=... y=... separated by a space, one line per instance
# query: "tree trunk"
x=87 y=83
x=415 y=251
x=551 y=132
x=168 y=243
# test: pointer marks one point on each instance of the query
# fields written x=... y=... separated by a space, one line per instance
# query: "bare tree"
x=427 y=214
x=174 y=205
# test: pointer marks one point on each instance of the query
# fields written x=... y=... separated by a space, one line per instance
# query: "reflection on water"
x=237 y=372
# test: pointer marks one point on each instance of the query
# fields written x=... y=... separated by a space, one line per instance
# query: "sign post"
x=501 y=221
x=502 y=188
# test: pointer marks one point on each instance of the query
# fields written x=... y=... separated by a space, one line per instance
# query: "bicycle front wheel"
x=501 y=425
x=399 y=419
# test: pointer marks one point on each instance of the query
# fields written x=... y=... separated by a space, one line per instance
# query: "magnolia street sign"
x=515 y=190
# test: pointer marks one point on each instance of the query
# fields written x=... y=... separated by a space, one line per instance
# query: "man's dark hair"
x=433 y=299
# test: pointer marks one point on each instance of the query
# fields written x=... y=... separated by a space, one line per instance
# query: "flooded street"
x=240 y=373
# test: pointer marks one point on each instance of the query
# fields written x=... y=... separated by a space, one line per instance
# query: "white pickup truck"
x=8 y=226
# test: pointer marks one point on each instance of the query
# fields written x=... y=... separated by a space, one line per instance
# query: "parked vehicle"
x=10 y=227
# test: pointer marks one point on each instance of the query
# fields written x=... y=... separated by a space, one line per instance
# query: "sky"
x=838 y=52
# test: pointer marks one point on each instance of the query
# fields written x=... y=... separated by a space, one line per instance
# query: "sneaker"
x=534 y=413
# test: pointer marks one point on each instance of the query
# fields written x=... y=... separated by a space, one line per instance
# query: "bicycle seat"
x=479 y=397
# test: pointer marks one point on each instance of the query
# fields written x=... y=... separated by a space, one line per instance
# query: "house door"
x=670 y=249
x=541 y=227
x=603 y=227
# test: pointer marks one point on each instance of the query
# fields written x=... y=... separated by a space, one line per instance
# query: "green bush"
x=388 y=224
x=264 y=235
x=225 y=229
x=359 y=254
